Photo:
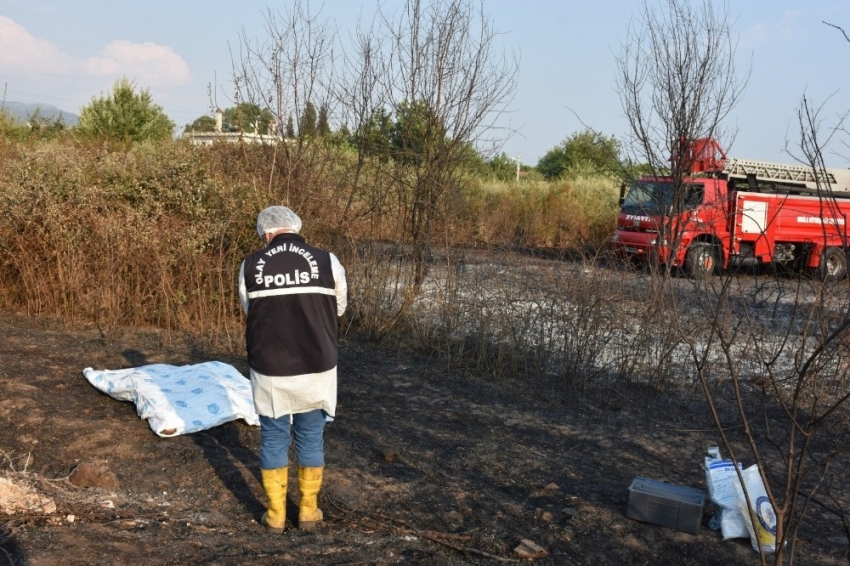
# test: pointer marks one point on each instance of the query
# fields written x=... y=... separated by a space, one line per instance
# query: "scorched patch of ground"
x=423 y=467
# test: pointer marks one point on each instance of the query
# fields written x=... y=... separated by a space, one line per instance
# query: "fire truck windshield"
x=657 y=196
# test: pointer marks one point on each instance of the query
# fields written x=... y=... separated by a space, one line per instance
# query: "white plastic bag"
x=720 y=478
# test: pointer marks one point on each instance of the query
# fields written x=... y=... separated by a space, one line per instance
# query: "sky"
x=65 y=53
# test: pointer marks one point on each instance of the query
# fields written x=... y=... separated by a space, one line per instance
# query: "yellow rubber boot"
x=309 y=482
x=275 y=482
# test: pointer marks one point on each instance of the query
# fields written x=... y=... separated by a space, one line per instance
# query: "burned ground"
x=423 y=466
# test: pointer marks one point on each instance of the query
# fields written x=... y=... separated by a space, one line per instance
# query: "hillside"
x=23 y=111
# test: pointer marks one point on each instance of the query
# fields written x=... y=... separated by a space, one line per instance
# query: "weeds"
x=155 y=236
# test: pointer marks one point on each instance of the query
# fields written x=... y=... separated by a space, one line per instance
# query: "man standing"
x=292 y=294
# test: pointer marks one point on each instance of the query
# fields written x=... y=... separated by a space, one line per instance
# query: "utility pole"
x=518 y=161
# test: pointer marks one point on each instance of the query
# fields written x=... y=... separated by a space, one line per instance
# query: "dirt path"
x=423 y=467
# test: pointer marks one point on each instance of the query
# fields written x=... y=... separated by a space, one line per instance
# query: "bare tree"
x=288 y=71
x=291 y=66
x=363 y=103
x=447 y=84
x=841 y=29
x=770 y=354
x=433 y=68
x=678 y=79
x=677 y=83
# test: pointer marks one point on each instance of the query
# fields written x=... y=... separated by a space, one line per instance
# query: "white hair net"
x=277 y=218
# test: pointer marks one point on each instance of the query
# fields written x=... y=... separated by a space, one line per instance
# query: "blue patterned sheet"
x=180 y=399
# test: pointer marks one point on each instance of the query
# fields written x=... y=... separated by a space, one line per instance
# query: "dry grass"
x=153 y=236
x=575 y=213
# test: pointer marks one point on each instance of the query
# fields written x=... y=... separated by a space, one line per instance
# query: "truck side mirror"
x=622 y=194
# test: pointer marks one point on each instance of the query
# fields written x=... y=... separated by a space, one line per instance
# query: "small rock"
x=390 y=455
x=530 y=550
x=70 y=518
x=21 y=498
x=547 y=517
x=453 y=519
x=570 y=512
x=93 y=475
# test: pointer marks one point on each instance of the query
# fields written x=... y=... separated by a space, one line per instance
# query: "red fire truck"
x=734 y=212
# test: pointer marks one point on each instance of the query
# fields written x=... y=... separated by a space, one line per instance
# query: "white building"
x=209 y=138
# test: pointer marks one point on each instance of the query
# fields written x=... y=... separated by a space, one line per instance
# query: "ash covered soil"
x=422 y=467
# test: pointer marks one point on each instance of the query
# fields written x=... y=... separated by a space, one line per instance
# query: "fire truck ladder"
x=835 y=180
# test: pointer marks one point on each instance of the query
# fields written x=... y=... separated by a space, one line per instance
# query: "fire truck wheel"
x=701 y=261
x=833 y=265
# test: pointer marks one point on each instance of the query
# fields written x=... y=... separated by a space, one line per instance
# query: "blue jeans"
x=275 y=439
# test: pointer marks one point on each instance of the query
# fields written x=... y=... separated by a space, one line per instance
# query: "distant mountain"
x=22 y=112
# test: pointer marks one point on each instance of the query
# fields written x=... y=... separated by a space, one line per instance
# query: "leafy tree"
x=601 y=152
x=9 y=127
x=201 y=124
x=125 y=115
x=343 y=131
x=244 y=117
x=36 y=126
x=248 y=118
x=323 y=129
x=307 y=122
x=502 y=168
x=373 y=136
x=553 y=163
x=45 y=126
x=417 y=136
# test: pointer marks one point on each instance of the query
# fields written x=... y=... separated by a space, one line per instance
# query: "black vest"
x=292 y=310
